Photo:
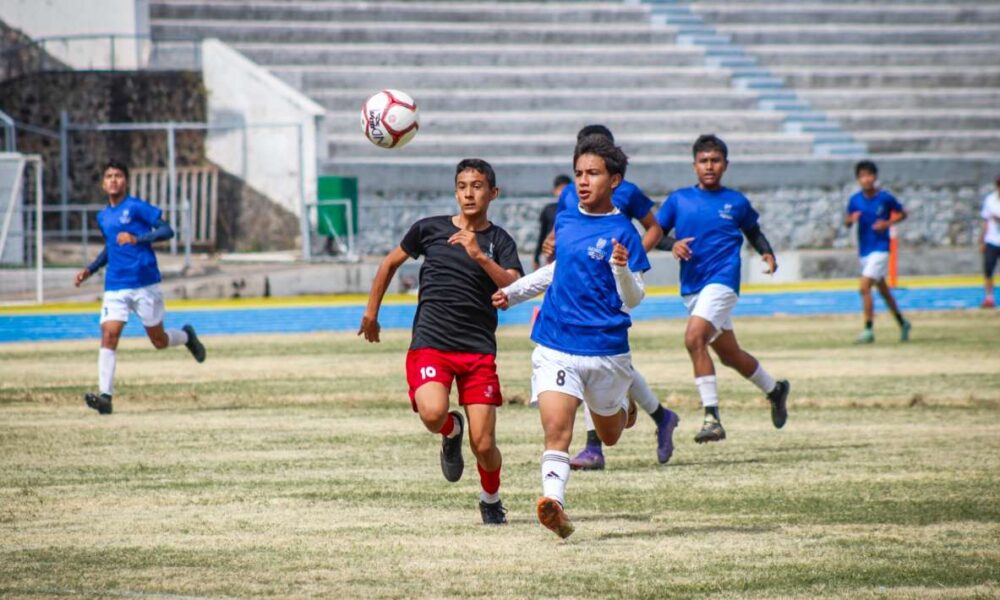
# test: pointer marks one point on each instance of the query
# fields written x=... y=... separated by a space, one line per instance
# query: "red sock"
x=449 y=425
x=490 y=480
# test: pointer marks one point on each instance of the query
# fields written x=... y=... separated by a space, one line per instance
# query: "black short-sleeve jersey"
x=455 y=311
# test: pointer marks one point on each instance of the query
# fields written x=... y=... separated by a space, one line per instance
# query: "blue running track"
x=70 y=326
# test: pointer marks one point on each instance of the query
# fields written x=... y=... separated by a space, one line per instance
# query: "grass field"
x=292 y=466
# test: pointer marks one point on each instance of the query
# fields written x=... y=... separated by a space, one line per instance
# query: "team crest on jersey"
x=126 y=218
x=597 y=251
x=726 y=212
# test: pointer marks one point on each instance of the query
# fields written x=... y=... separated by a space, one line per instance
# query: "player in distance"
x=466 y=259
x=710 y=221
x=582 y=330
x=131 y=282
x=632 y=203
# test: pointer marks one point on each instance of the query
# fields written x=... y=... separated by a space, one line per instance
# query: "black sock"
x=657 y=415
x=714 y=411
x=868 y=324
x=899 y=318
x=592 y=439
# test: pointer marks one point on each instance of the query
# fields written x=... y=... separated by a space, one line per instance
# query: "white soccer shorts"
x=147 y=302
x=714 y=303
x=875 y=265
x=602 y=382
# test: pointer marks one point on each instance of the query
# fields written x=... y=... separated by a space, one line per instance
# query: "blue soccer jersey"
x=627 y=198
x=877 y=208
x=582 y=311
x=129 y=265
x=716 y=220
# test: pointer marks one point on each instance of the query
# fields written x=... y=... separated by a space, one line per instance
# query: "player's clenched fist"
x=370 y=328
x=467 y=240
x=500 y=300
x=619 y=256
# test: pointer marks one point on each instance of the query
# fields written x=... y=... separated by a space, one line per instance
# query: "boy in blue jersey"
x=131 y=282
x=875 y=211
x=582 y=330
x=710 y=221
x=632 y=203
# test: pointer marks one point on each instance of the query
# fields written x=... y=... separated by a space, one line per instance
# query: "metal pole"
x=349 y=213
x=112 y=37
x=186 y=227
x=172 y=183
x=39 y=257
x=304 y=216
x=63 y=171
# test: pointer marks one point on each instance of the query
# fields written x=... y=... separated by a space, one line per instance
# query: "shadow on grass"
x=685 y=531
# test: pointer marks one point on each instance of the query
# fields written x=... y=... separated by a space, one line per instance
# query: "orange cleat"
x=551 y=515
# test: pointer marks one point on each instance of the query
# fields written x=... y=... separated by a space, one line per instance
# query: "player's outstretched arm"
x=84 y=273
x=386 y=270
x=525 y=288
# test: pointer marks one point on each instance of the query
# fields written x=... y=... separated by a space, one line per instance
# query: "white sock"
x=456 y=430
x=707 y=390
x=763 y=380
x=588 y=420
x=106 y=361
x=176 y=337
x=489 y=498
x=555 y=474
x=640 y=393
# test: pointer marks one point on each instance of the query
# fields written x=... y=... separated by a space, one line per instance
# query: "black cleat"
x=778 y=397
x=194 y=344
x=452 y=464
x=711 y=431
x=102 y=403
x=493 y=514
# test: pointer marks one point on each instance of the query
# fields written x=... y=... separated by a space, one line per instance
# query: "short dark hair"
x=561 y=179
x=595 y=129
x=614 y=157
x=477 y=164
x=709 y=142
x=865 y=165
x=115 y=164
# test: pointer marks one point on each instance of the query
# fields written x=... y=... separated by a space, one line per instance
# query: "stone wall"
x=20 y=56
x=250 y=222
x=105 y=97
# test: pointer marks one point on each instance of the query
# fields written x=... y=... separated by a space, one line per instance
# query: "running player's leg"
x=479 y=392
x=867 y=335
x=728 y=349
x=890 y=302
x=114 y=315
x=557 y=411
x=429 y=375
x=151 y=310
x=697 y=336
x=591 y=458
x=606 y=382
x=665 y=419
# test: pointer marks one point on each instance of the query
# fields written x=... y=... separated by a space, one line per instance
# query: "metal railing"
x=100 y=51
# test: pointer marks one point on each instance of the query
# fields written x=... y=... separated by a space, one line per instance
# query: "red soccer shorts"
x=475 y=373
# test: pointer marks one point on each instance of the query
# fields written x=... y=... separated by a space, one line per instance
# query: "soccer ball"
x=389 y=119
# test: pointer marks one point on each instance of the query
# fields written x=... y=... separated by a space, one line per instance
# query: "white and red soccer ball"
x=389 y=119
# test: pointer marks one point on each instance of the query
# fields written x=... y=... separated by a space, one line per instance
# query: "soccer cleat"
x=552 y=516
x=591 y=458
x=102 y=403
x=194 y=345
x=452 y=463
x=631 y=415
x=778 y=398
x=493 y=514
x=904 y=331
x=665 y=436
x=988 y=303
x=711 y=431
x=867 y=336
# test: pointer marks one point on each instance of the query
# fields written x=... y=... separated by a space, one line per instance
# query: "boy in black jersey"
x=466 y=259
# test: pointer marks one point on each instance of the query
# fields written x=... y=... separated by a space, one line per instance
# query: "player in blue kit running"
x=582 y=330
x=632 y=203
x=875 y=211
x=709 y=221
x=131 y=282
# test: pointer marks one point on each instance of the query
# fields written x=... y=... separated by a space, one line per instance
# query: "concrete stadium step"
x=316 y=77
x=416 y=12
x=354 y=147
x=809 y=13
x=432 y=55
x=918 y=120
x=459 y=123
x=946 y=142
x=405 y=33
x=902 y=98
x=960 y=55
x=913 y=77
x=859 y=3
x=569 y=98
x=832 y=34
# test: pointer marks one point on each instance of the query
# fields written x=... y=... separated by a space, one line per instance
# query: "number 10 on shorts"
x=428 y=372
